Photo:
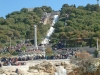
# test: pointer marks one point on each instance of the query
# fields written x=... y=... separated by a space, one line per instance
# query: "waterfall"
x=60 y=71
x=50 y=31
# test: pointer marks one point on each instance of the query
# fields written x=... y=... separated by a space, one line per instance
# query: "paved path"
x=34 y=62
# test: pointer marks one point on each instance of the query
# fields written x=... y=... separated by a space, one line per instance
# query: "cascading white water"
x=50 y=31
x=60 y=71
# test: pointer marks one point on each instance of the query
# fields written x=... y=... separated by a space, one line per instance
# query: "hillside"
x=78 y=25
x=19 y=25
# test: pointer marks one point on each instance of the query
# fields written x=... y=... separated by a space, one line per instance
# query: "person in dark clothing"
x=16 y=71
x=0 y=65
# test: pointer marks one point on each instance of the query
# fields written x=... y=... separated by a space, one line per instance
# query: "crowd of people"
x=11 y=61
x=63 y=54
x=17 y=47
x=60 y=54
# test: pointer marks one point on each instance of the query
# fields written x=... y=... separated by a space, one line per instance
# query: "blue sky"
x=8 y=6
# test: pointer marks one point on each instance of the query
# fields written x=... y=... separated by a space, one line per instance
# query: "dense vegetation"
x=78 y=25
x=19 y=25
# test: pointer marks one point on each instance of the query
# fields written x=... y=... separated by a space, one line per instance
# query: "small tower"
x=98 y=2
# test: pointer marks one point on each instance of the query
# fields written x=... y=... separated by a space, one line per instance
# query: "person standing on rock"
x=17 y=70
x=0 y=65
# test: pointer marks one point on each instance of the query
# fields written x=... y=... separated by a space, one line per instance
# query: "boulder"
x=44 y=67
